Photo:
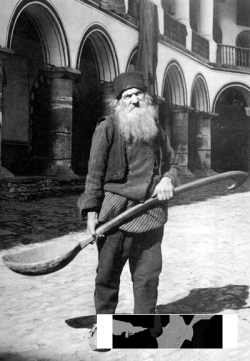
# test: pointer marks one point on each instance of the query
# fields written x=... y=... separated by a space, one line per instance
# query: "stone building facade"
x=58 y=59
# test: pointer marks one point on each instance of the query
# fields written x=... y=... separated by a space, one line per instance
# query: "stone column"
x=247 y=109
x=60 y=120
x=203 y=143
x=4 y=54
x=160 y=15
x=182 y=14
x=179 y=138
x=108 y=98
x=206 y=19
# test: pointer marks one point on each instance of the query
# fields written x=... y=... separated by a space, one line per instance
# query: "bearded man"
x=130 y=161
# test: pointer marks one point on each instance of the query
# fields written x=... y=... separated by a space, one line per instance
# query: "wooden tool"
x=58 y=252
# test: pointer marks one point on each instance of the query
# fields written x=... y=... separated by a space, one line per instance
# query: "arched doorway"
x=173 y=114
x=36 y=33
x=38 y=39
x=97 y=62
x=243 y=40
x=174 y=92
x=39 y=136
x=230 y=130
x=198 y=126
x=132 y=60
x=243 y=48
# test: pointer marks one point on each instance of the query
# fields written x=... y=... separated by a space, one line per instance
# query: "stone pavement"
x=206 y=252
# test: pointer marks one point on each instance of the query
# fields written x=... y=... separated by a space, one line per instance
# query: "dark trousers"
x=145 y=261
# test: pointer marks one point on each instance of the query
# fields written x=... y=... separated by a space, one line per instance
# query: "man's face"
x=132 y=98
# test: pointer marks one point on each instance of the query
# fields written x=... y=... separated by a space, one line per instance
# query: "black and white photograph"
x=124 y=180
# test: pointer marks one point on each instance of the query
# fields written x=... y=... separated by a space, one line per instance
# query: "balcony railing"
x=174 y=30
x=231 y=55
x=200 y=45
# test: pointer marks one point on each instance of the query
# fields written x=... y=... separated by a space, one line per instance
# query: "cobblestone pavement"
x=206 y=252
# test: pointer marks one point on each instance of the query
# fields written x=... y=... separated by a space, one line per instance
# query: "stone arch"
x=240 y=87
x=199 y=128
x=199 y=94
x=174 y=93
x=104 y=52
x=174 y=86
x=217 y=34
x=243 y=39
x=242 y=48
x=98 y=63
x=49 y=28
x=131 y=64
x=37 y=37
x=173 y=114
x=230 y=140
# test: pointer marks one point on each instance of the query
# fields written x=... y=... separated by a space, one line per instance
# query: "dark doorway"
x=39 y=115
x=230 y=132
x=26 y=40
x=86 y=109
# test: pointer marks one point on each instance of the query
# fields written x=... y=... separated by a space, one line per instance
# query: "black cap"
x=125 y=81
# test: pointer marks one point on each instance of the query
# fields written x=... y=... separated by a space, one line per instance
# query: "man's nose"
x=134 y=99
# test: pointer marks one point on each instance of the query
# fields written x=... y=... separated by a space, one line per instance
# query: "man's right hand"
x=92 y=222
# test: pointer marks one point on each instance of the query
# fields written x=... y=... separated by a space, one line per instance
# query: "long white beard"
x=137 y=124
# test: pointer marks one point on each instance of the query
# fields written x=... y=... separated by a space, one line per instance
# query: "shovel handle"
x=239 y=178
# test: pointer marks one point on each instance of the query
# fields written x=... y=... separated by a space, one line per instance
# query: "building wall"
x=216 y=79
x=66 y=26
x=226 y=15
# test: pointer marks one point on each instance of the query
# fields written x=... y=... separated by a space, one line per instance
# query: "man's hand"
x=92 y=222
x=164 y=189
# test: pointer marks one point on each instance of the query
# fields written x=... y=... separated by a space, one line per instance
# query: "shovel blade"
x=43 y=259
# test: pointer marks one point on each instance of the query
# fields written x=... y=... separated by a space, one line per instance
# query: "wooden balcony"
x=200 y=45
x=234 y=56
x=175 y=30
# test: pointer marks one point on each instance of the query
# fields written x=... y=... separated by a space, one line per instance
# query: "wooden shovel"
x=58 y=252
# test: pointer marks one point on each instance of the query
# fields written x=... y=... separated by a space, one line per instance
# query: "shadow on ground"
x=208 y=300
x=199 y=301
x=81 y=322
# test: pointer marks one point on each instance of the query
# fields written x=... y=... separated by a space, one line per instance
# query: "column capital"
x=203 y=115
x=180 y=108
x=57 y=72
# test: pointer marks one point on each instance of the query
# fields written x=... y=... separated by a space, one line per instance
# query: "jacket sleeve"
x=92 y=197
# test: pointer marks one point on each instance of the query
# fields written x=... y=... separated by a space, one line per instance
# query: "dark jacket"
x=108 y=163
